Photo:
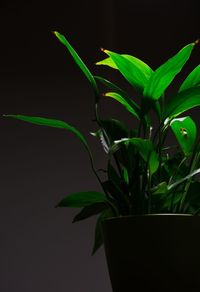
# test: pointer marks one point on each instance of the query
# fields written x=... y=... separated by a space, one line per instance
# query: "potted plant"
x=148 y=209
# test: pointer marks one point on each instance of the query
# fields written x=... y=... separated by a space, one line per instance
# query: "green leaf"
x=187 y=177
x=82 y=199
x=185 y=131
x=125 y=175
x=165 y=74
x=160 y=189
x=146 y=150
x=114 y=129
x=89 y=211
x=135 y=61
x=121 y=100
x=182 y=102
x=121 y=92
x=193 y=79
x=131 y=71
x=78 y=61
x=98 y=242
x=51 y=123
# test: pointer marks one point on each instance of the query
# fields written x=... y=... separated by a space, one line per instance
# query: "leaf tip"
x=197 y=41
x=104 y=50
x=54 y=32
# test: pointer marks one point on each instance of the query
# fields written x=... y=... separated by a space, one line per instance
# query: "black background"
x=40 y=249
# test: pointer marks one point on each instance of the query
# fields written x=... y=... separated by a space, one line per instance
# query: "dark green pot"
x=157 y=253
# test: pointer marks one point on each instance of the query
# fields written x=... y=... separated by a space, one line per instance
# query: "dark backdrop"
x=40 y=249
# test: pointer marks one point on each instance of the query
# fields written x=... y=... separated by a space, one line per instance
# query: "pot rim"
x=150 y=215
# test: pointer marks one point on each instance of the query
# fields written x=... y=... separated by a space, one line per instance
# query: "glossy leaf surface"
x=185 y=131
x=182 y=102
x=165 y=74
x=78 y=60
x=131 y=72
x=135 y=61
x=123 y=101
x=193 y=79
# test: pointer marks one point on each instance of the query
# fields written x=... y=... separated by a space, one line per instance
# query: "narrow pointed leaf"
x=187 y=177
x=125 y=175
x=185 y=131
x=193 y=79
x=78 y=61
x=165 y=74
x=130 y=70
x=182 y=102
x=142 y=66
x=82 y=199
x=121 y=100
x=89 y=211
x=125 y=96
x=160 y=189
x=51 y=123
x=98 y=242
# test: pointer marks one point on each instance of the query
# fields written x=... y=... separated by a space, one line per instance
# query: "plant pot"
x=158 y=252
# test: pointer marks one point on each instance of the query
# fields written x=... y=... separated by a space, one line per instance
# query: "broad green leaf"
x=121 y=100
x=98 y=242
x=185 y=131
x=78 y=61
x=82 y=199
x=130 y=70
x=165 y=74
x=51 y=123
x=193 y=79
x=146 y=150
x=135 y=61
x=182 y=102
x=89 y=211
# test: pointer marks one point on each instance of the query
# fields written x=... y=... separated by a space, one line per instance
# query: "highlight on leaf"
x=164 y=75
x=133 y=71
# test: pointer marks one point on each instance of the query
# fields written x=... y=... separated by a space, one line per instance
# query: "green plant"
x=144 y=173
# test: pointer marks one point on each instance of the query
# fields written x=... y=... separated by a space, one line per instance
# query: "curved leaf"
x=165 y=74
x=125 y=96
x=130 y=70
x=185 y=131
x=51 y=123
x=78 y=61
x=82 y=199
x=98 y=242
x=182 y=102
x=89 y=211
x=146 y=150
x=193 y=79
x=187 y=177
x=135 y=61
x=123 y=101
